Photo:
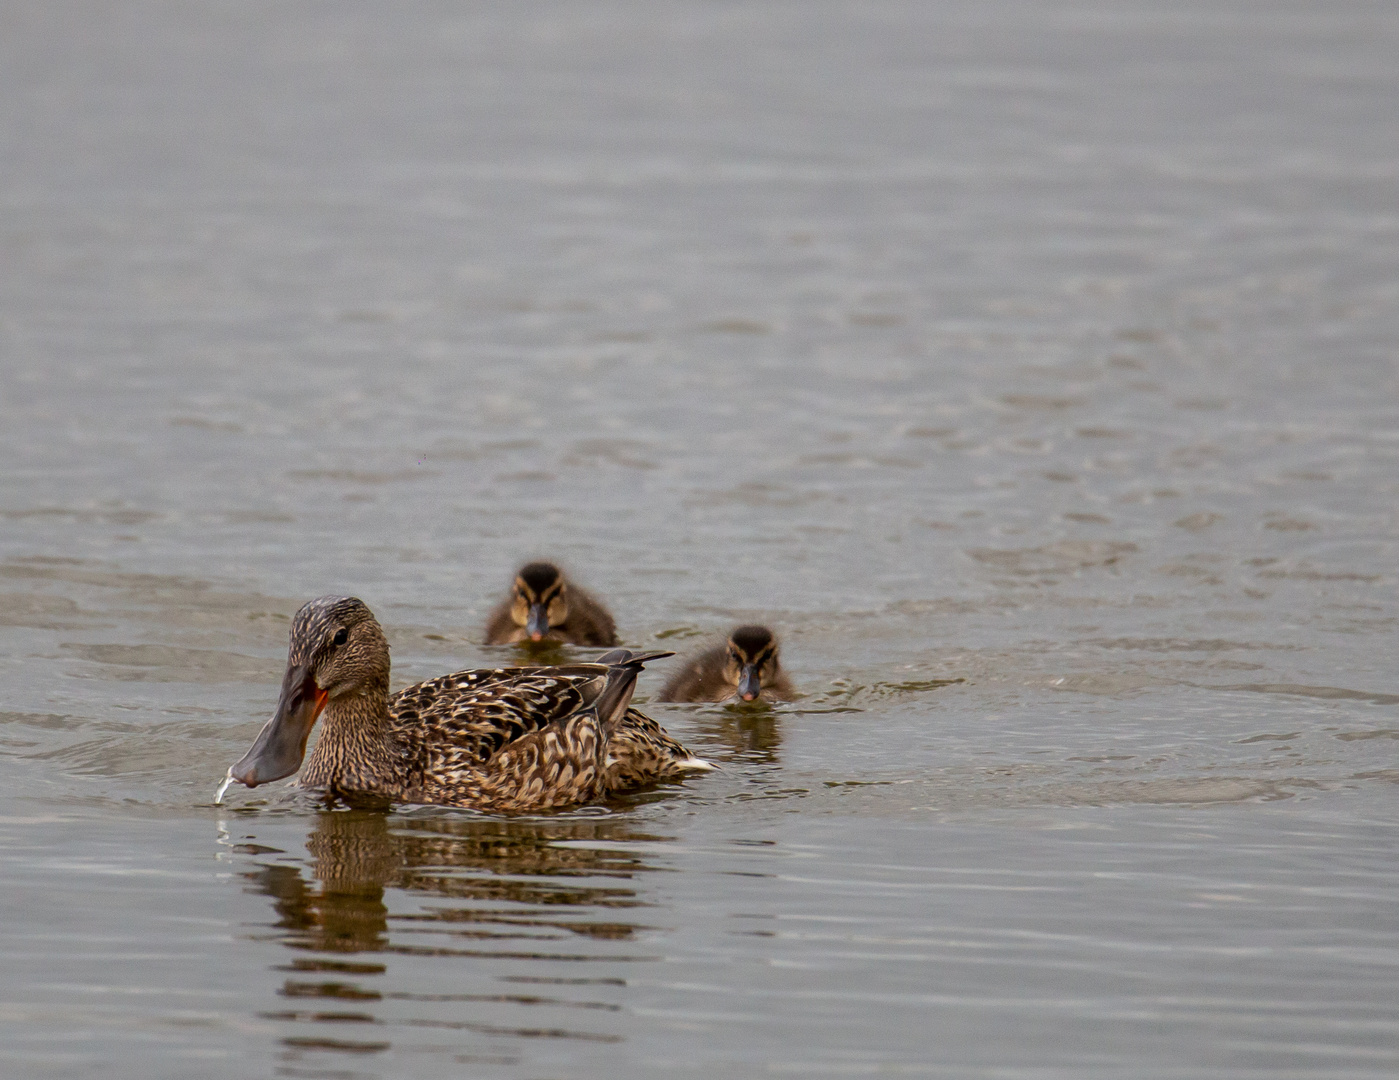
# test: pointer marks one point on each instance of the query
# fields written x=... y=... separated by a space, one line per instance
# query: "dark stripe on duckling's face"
x=752 y=656
x=540 y=601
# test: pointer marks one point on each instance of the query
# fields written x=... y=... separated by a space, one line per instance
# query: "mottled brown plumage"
x=744 y=668
x=544 y=605
x=505 y=739
x=641 y=753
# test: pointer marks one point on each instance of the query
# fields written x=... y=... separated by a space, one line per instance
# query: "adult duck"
x=503 y=739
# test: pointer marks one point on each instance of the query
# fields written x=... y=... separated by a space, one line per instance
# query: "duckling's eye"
x=341 y=636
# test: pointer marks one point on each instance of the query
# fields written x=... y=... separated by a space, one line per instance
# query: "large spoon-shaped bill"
x=281 y=744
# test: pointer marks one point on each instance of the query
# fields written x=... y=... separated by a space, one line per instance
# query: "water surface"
x=1031 y=368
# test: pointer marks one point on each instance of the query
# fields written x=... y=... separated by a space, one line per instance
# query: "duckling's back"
x=701 y=679
x=589 y=622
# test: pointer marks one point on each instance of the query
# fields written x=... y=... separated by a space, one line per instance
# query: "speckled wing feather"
x=503 y=738
x=478 y=712
x=641 y=753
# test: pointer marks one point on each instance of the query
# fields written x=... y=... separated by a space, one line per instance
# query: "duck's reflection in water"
x=541 y=654
x=528 y=901
x=749 y=731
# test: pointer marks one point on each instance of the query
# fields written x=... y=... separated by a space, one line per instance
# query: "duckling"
x=744 y=668
x=503 y=739
x=544 y=605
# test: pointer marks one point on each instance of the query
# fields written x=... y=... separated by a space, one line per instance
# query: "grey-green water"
x=1052 y=347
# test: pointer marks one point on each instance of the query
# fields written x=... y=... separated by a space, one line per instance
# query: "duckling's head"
x=539 y=599
x=751 y=660
x=337 y=649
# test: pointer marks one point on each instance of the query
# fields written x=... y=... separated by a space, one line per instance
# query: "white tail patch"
x=694 y=764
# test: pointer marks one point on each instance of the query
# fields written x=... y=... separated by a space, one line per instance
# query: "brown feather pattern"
x=641 y=753
x=501 y=739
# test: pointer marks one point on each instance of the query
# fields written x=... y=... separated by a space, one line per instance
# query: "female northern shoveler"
x=744 y=668
x=544 y=605
x=504 y=739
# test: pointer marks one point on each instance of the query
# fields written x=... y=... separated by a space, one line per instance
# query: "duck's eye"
x=341 y=636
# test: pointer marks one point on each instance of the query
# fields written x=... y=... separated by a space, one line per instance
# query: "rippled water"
x=1030 y=367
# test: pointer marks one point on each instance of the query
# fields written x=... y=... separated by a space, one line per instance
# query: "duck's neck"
x=356 y=751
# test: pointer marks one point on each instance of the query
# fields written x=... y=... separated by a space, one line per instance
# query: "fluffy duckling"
x=503 y=739
x=744 y=668
x=544 y=605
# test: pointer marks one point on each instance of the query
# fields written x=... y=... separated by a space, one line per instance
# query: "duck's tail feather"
x=612 y=703
x=619 y=657
x=693 y=764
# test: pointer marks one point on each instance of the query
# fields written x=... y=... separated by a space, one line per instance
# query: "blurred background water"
x=1050 y=347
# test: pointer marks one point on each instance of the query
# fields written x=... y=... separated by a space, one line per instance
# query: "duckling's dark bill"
x=281 y=744
x=749 y=684
x=538 y=625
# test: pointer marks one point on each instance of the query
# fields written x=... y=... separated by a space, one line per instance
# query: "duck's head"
x=337 y=649
x=750 y=660
x=539 y=599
